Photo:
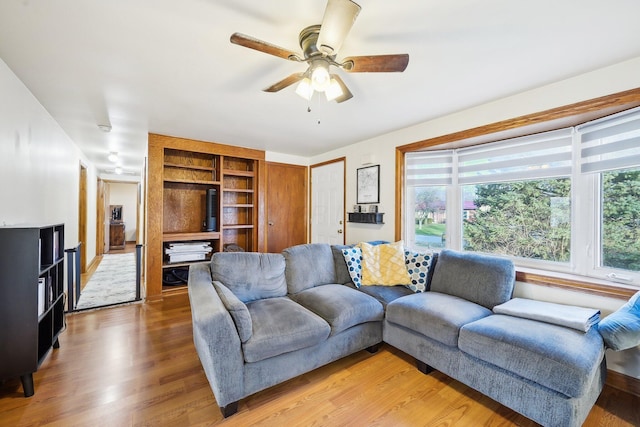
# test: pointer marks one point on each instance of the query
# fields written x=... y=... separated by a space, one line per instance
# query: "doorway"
x=112 y=278
x=327 y=202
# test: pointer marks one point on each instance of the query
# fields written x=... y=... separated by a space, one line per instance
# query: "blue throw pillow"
x=621 y=329
x=353 y=258
x=419 y=265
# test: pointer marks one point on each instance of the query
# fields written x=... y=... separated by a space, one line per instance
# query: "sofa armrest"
x=215 y=337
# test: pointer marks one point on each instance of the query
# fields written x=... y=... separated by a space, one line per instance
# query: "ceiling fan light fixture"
x=334 y=90
x=339 y=17
x=320 y=77
x=304 y=88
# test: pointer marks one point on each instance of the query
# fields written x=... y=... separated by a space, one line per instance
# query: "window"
x=427 y=179
x=566 y=200
x=620 y=219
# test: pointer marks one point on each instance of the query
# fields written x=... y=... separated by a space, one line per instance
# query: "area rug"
x=113 y=282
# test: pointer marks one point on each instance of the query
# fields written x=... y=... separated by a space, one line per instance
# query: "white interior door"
x=327 y=203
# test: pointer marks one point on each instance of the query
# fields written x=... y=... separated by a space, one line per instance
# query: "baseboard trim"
x=623 y=382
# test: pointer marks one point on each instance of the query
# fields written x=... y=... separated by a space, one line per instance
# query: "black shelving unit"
x=31 y=298
x=366 y=217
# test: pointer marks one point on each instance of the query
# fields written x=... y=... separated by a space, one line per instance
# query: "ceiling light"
x=118 y=170
x=334 y=90
x=339 y=17
x=113 y=157
x=320 y=78
x=304 y=89
x=105 y=128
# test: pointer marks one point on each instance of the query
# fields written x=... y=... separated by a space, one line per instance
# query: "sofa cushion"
x=386 y=294
x=341 y=306
x=249 y=275
x=435 y=315
x=279 y=326
x=621 y=329
x=352 y=259
x=559 y=358
x=308 y=266
x=384 y=265
x=483 y=279
x=342 y=272
x=420 y=267
x=237 y=309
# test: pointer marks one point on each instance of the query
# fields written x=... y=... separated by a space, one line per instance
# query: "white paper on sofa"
x=579 y=318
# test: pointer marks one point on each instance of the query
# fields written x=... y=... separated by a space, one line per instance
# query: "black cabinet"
x=31 y=298
x=366 y=217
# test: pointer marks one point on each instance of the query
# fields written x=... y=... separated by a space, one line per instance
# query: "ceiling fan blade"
x=286 y=82
x=338 y=19
x=376 y=63
x=262 y=46
x=346 y=93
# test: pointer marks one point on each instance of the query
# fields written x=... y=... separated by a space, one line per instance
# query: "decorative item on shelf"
x=188 y=251
x=368 y=184
x=373 y=209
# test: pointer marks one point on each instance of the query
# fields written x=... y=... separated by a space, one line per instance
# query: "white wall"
x=125 y=194
x=39 y=165
x=381 y=150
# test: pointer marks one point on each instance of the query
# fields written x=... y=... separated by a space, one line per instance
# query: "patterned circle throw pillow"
x=353 y=258
x=418 y=265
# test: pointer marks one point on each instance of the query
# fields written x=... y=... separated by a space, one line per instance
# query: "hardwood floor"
x=136 y=365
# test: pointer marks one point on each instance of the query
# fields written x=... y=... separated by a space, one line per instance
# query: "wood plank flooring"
x=136 y=365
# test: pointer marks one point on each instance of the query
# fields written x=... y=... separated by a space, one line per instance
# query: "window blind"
x=429 y=168
x=610 y=143
x=545 y=155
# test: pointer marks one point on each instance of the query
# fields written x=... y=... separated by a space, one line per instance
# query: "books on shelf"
x=41 y=295
x=187 y=252
x=56 y=243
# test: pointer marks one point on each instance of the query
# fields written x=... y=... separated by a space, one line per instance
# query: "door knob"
x=339 y=231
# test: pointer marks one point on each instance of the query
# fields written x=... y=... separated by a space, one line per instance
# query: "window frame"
x=568 y=115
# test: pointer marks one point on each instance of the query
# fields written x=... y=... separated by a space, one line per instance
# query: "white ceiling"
x=167 y=66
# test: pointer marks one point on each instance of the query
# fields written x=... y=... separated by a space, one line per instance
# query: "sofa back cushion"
x=341 y=268
x=308 y=266
x=249 y=275
x=483 y=279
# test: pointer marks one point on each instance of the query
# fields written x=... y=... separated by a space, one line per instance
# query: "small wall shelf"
x=366 y=217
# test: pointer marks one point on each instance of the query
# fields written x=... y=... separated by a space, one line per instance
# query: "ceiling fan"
x=320 y=45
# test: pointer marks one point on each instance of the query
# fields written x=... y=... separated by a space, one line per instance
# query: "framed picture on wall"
x=368 y=180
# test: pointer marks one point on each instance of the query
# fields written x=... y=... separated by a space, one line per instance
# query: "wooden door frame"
x=82 y=216
x=100 y=212
x=344 y=194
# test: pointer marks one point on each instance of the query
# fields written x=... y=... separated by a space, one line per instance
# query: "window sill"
x=574 y=283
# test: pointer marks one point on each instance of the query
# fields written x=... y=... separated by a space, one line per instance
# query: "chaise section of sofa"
x=549 y=373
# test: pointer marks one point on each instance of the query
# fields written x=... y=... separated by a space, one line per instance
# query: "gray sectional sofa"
x=261 y=319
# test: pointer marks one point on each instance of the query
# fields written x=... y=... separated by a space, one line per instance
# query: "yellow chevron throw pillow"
x=384 y=264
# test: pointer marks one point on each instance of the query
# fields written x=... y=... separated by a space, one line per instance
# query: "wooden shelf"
x=233 y=172
x=185 y=237
x=192 y=167
x=192 y=181
x=180 y=174
x=238 y=190
x=239 y=205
